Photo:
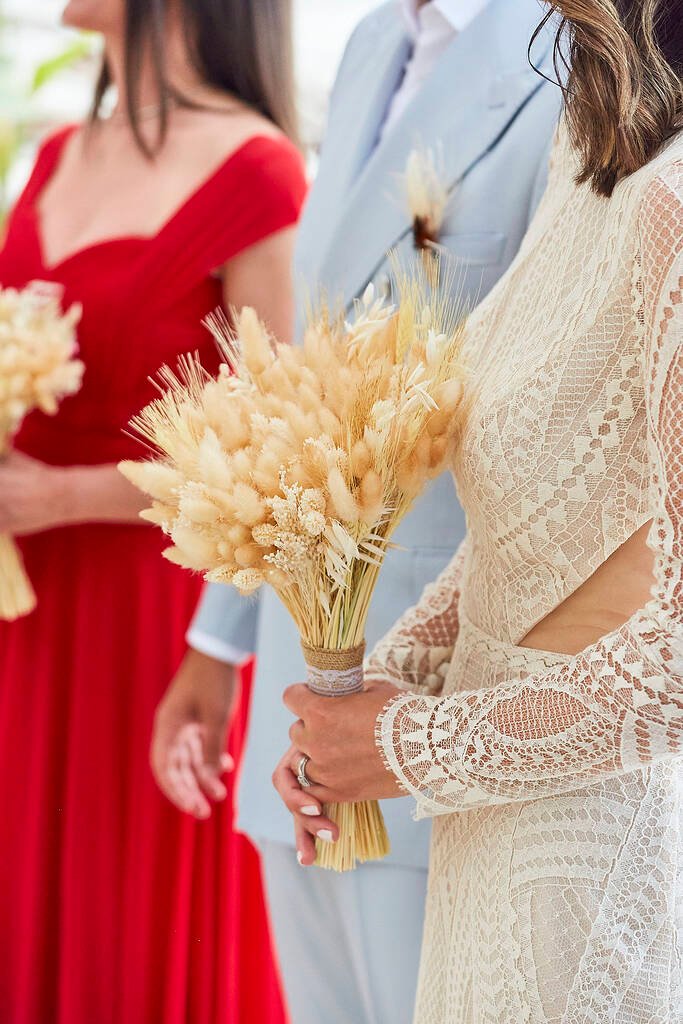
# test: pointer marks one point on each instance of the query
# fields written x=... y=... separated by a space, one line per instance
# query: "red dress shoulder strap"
x=49 y=152
x=270 y=172
x=21 y=237
x=256 y=192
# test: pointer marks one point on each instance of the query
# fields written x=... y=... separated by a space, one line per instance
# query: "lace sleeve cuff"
x=410 y=739
x=391 y=750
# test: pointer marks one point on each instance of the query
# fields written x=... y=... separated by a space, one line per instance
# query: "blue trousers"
x=348 y=944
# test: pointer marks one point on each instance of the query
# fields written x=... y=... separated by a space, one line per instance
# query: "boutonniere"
x=427 y=196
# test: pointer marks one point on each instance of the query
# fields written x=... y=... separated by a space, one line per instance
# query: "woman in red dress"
x=115 y=908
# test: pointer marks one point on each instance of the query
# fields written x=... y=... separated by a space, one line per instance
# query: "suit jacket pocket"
x=477 y=248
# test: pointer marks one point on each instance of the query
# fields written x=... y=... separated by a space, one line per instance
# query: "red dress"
x=114 y=907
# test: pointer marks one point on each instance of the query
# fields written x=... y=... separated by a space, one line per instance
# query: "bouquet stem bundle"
x=17 y=596
x=37 y=368
x=362 y=832
x=295 y=466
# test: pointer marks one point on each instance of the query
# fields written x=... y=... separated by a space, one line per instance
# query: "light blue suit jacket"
x=494 y=117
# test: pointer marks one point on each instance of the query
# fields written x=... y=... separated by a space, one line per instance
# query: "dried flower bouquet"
x=295 y=466
x=37 y=368
x=427 y=196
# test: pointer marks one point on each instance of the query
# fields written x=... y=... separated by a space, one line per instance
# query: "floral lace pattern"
x=574 y=444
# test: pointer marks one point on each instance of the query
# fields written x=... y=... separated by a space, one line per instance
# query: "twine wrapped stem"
x=362 y=833
x=17 y=596
x=334 y=673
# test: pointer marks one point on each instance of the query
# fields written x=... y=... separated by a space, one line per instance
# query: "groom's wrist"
x=214 y=647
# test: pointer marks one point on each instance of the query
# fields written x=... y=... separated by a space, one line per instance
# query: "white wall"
x=322 y=28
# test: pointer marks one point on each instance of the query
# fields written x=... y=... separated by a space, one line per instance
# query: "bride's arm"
x=618 y=705
x=415 y=654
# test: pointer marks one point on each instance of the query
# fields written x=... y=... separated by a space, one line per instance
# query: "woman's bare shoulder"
x=214 y=132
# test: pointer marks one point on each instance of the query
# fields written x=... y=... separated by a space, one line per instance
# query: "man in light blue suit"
x=453 y=73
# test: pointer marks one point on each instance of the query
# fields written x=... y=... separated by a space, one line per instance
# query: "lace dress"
x=556 y=782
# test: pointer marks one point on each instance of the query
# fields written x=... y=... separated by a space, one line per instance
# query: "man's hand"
x=188 y=755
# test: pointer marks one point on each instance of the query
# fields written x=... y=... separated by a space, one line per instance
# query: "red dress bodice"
x=144 y=298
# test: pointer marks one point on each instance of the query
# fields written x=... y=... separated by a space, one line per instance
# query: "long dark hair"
x=623 y=69
x=242 y=47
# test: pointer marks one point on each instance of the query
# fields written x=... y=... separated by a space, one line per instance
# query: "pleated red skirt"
x=114 y=907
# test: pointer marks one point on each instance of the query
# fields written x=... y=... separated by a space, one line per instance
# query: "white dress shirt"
x=433 y=27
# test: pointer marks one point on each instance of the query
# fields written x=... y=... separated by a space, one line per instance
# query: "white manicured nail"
x=312 y=812
x=325 y=835
x=300 y=857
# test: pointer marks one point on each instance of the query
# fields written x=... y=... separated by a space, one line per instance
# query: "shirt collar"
x=458 y=13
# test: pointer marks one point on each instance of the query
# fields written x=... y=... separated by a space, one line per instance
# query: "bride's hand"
x=338 y=735
x=307 y=812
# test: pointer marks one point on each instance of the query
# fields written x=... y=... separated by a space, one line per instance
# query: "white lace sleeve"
x=416 y=653
x=618 y=705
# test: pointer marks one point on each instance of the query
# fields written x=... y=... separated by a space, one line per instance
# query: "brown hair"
x=242 y=47
x=623 y=81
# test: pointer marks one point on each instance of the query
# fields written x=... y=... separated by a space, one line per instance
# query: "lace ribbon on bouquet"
x=334 y=673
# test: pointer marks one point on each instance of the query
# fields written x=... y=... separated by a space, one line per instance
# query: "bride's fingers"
x=307 y=811
x=320 y=827
x=305 y=845
x=295 y=799
x=307 y=830
x=316 y=793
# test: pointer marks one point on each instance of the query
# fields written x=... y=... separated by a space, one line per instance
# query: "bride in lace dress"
x=536 y=707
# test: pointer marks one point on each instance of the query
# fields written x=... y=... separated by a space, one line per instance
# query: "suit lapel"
x=473 y=94
x=371 y=74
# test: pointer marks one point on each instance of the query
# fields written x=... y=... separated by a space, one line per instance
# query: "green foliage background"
x=15 y=98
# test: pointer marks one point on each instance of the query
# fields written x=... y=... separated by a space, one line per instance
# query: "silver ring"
x=302 y=778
